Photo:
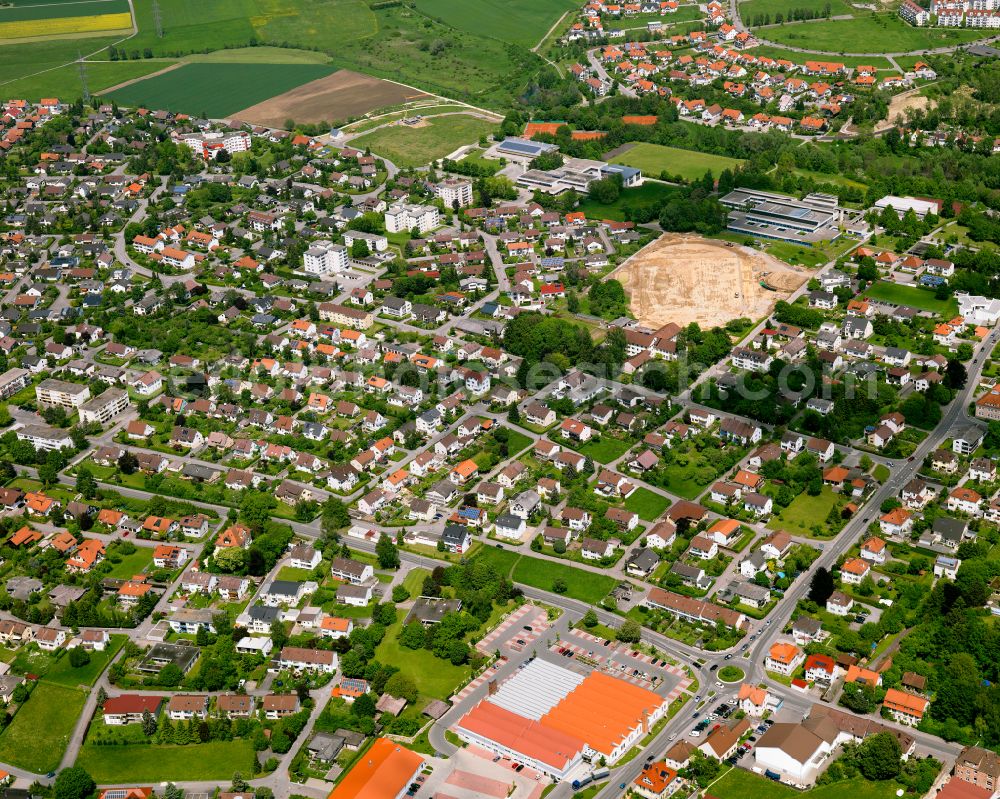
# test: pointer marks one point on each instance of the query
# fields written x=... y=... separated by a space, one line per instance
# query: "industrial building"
x=553 y=719
x=767 y=215
x=523 y=148
x=903 y=204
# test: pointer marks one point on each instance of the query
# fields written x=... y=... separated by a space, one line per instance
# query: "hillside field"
x=217 y=90
x=867 y=34
x=653 y=159
x=522 y=22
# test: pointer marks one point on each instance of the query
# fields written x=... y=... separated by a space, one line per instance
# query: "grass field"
x=216 y=760
x=866 y=34
x=644 y=196
x=260 y=55
x=751 y=8
x=797 y=58
x=805 y=511
x=522 y=22
x=605 y=450
x=582 y=585
x=133 y=564
x=217 y=90
x=433 y=676
x=653 y=159
x=740 y=784
x=647 y=504
x=62 y=673
x=408 y=147
x=41 y=729
x=922 y=299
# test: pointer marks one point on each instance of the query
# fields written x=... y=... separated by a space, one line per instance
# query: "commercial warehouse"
x=552 y=719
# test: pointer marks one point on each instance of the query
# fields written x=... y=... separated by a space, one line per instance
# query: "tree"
x=590 y=619
x=821 y=586
x=78 y=657
x=85 y=483
x=149 y=726
x=630 y=632
x=231 y=559
x=878 y=757
x=955 y=374
x=73 y=783
x=402 y=686
x=387 y=553
x=559 y=585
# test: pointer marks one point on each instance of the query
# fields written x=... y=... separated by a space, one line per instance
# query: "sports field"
x=217 y=90
x=866 y=34
x=653 y=159
x=415 y=146
x=522 y=22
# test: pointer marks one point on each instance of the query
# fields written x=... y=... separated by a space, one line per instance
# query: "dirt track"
x=338 y=96
x=684 y=279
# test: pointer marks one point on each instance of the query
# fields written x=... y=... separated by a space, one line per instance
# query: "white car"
x=695 y=733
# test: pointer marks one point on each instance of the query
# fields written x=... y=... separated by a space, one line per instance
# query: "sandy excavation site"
x=686 y=279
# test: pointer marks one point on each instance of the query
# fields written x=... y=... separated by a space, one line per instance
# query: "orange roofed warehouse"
x=385 y=771
x=551 y=718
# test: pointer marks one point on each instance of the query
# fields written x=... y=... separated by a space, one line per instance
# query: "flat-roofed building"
x=54 y=393
x=777 y=216
x=12 y=381
x=102 y=409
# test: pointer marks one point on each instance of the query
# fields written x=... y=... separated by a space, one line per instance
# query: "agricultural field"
x=342 y=95
x=654 y=159
x=867 y=34
x=217 y=90
x=522 y=22
x=65 y=81
x=49 y=20
x=435 y=138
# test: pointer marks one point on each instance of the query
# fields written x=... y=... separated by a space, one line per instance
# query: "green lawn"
x=215 y=760
x=41 y=729
x=48 y=10
x=921 y=299
x=654 y=159
x=133 y=564
x=750 y=8
x=517 y=442
x=863 y=34
x=805 y=511
x=62 y=673
x=605 y=450
x=648 y=194
x=294 y=575
x=731 y=674
x=798 y=58
x=522 y=22
x=410 y=147
x=414 y=581
x=433 y=676
x=647 y=504
x=582 y=585
x=217 y=90
x=740 y=784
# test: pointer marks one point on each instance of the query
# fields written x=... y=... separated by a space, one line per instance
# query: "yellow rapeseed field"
x=59 y=26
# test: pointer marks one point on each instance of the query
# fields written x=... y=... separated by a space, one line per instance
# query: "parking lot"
x=517 y=632
x=619 y=660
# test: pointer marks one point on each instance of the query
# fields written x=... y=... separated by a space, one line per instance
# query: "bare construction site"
x=687 y=278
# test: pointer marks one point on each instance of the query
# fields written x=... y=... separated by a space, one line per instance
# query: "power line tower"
x=157 y=22
x=81 y=66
